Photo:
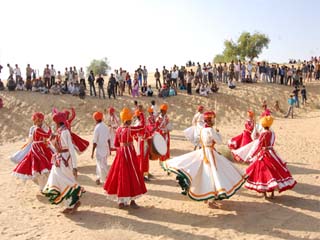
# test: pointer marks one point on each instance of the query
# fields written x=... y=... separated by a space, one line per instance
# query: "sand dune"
x=165 y=213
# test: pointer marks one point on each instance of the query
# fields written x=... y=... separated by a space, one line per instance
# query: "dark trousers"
x=101 y=90
x=158 y=82
x=189 y=91
x=47 y=82
x=281 y=79
x=53 y=80
x=92 y=88
x=111 y=92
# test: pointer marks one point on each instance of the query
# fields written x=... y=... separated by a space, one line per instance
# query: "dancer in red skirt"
x=37 y=163
x=80 y=144
x=125 y=181
x=268 y=172
x=245 y=137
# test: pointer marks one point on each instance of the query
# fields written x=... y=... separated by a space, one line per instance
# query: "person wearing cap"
x=204 y=174
x=102 y=146
x=192 y=133
x=113 y=122
x=245 y=137
x=62 y=185
x=268 y=172
x=162 y=126
x=125 y=181
x=36 y=164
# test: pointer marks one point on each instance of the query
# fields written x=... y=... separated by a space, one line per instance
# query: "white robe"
x=193 y=133
x=205 y=174
x=62 y=184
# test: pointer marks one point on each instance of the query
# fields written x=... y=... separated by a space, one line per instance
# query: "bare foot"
x=121 y=206
x=134 y=205
x=214 y=205
x=272 y=195
x=265 y=195
x=98 y=182
x=67 y=210
x=76 y=206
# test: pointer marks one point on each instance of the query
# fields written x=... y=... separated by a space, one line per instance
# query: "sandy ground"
x=164 y=212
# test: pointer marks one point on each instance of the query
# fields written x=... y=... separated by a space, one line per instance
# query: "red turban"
x=37 y=116
x=209 y=115
x=200 y=108
x=98 y=116
x=266 y=112
x=67 y=113
x=59 y=117
x=111 y=110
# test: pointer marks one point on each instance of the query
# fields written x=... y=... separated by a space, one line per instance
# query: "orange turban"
x=164 y=107
x=98 y=116
x=250 y=113
x=266 y=121
x=137 y=113
x=209 y=115
x=200 y=108
x=38 y=116
x=150 y=110
x=126 y=115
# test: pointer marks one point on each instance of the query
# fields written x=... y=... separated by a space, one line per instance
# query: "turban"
x=137 y=113
x=266 y=121
x=111 y=110
x=200 y=108
x=150 y=110
x=37 y=116
x=250 y=113
x=98 y=116
x=164 y=107
x=126 y=115
x=60 y=117
x=266 y=112
x=67 y=113
x=209 y=115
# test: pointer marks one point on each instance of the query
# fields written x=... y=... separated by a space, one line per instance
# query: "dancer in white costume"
x=205 y=174
x=193 y=133
x=62 y=184
x=101 y=144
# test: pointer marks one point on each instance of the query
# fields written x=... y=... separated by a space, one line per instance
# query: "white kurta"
x=113 y=123
x=193 y=133
x=62 y=184
x=101 y=136
x=205 y=174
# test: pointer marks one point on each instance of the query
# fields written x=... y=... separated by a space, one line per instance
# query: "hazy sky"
x=150 y=32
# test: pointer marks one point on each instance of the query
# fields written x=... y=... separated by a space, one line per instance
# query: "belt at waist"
x=267 y=148
x=126 y=144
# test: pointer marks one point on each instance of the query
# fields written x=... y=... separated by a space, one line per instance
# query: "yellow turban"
x=266 y=121
x=126 y=115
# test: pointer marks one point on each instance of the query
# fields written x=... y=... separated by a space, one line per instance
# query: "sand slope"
x=165 y=213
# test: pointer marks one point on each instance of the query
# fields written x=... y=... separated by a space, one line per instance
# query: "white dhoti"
x=102 y=168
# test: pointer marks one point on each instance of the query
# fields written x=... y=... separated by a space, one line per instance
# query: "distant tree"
x=99 y=66
x=219 y=58
x=247 y=47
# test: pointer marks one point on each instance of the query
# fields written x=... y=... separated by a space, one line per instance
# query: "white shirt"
x=101 y=136
x=81 y=74
x=174 y=74
x=52 y=72
x=237 y=68
x=66 y=143
x=155 y=110
x=18 y=71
